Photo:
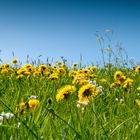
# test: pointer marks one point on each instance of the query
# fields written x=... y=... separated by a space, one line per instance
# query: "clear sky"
x=55 y=28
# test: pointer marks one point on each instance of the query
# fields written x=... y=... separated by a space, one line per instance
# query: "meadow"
x=74 y=102
x=58 y=101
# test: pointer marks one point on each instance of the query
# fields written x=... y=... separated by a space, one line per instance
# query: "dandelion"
x=33 y=102
x=137 y=69
x=63 y=92
x=53 y=76
x=42 y=67
x=138 y=88
x=118 y=75
x=138 y=102
x=4 y=70
x=59 y=63
x=14 y=61
x=21 y=106
x=74 y=64
x=127 y=83
x=6 y=65
x=86 y=92
x=93 y=68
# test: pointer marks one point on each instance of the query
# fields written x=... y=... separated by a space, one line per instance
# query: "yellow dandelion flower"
x=21 y=107
x=83 y=81
x=53 y=76
x=137 y=69
x=4 y=70
x=74 y=64
x=113 y=85
x=122 y=79
x=128 y=82
x=59 y=63
x=61 y=70
x=63 y=92
x=138 y=88
x=33 y=102
x=14 y=61
x=138 y=102
x=19 y=76
x=28 y=67
x=6 y=65
x=20 y=71
x=118 y=75
x=42 y=67
x=36 y=73
x=27 y=73
x=86 y=92
x=93 y=68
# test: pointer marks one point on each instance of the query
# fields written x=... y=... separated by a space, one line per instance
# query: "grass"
x=112 y=114
x=61 y=102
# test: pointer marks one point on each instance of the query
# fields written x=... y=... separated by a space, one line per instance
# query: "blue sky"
x=55 y=28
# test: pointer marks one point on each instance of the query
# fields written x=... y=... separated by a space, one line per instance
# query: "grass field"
x=58 y=101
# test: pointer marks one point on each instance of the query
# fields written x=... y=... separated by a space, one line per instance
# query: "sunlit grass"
x=69 y=102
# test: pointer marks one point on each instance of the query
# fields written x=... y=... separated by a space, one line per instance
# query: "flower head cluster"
x=29 y=104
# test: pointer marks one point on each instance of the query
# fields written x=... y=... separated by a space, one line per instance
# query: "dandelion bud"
x=49 y=101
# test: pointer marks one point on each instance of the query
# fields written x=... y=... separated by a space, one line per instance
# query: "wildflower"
x=28 y=66
x=21 y=107
x=122 y=79
x=93 y=68
x=63 y=92
x=42 y=67
x=86 y=92
x=113 y=85
x=137 y=69
x=82 y=103
x=27 y=73
x=6 y=65
x=138 y=102
x=33 y=97
x=78 y=105
x=74 y=64
x=4 y=70
x=1 y=119
x=20 y=71
x=121 y=100
x=118 y=75
x=33 y=102
x=7 y=115
x=127 y=83
x=138 y=88
x=14 y=61
x=18 y=125
x=53 y=76
x=59 y=63
x=100 y=88
x=19 y=76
